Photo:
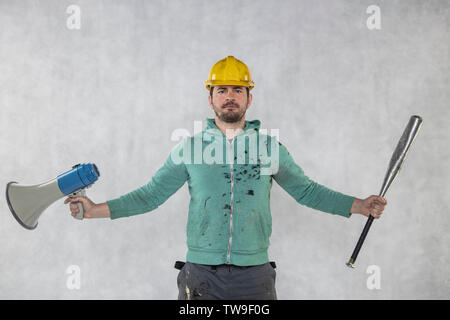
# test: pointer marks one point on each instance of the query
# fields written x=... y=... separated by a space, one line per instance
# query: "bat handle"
x=362 y=237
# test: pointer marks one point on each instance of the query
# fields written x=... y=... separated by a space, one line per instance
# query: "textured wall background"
x=113 y=91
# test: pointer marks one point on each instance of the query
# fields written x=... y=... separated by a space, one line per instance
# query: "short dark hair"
x=212 y=89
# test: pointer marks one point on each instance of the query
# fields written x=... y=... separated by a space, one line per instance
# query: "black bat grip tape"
x=362 y=237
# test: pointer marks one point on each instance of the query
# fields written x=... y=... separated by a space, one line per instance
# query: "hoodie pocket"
x=252 y=232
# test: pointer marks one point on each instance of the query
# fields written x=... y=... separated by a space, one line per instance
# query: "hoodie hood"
x=249 y=125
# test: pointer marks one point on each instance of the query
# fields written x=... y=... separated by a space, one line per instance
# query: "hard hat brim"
x=209 y=83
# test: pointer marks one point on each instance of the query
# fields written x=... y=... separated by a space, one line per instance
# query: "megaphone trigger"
x=79 y=193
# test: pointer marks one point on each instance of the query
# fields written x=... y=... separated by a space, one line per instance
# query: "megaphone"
x=28 y=202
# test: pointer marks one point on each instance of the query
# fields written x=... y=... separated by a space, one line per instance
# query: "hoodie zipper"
x=231 y=204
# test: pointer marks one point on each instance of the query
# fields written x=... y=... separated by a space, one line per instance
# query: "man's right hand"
x=91 y=210
x=87 y=204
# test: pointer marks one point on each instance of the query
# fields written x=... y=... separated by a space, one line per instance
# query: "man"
x=229 y=221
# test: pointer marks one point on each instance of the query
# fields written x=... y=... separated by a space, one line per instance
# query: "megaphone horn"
x=28 y=202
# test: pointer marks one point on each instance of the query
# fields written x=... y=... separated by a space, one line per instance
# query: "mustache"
x=233 y=104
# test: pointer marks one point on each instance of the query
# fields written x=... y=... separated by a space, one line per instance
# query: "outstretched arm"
x=310 y=193
x=165 y=182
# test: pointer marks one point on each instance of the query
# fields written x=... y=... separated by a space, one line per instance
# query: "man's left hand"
x=373 y=205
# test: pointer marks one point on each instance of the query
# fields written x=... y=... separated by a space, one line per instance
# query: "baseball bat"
x=397 y=159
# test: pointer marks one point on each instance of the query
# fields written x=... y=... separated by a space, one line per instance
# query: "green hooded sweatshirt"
x=229 y=182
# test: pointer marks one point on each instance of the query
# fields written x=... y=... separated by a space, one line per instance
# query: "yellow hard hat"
x=229 y=71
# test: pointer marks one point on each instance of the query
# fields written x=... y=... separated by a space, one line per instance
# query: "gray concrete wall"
x=113 y=91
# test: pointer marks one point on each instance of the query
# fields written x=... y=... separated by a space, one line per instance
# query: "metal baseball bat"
x=397 y=159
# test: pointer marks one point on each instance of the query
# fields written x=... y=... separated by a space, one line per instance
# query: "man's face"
x=230 y=102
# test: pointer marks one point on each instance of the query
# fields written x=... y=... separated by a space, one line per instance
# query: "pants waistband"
x=180 y=264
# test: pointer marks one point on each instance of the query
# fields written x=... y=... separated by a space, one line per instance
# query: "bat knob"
x=350 y=263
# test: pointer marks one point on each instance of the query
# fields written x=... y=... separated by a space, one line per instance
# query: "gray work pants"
x=226 y=282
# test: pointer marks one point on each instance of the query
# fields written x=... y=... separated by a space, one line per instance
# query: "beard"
x=229 y=115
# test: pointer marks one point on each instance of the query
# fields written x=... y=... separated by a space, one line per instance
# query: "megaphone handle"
x=79 y=193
